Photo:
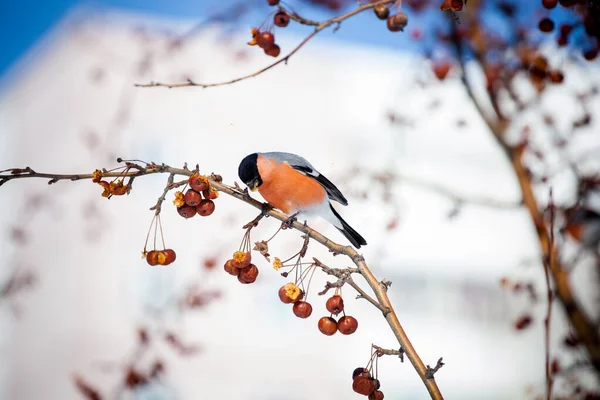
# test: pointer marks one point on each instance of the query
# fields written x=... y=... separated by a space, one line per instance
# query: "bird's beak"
x=254 y=185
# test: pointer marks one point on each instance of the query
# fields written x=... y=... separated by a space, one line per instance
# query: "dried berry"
x=376 y=395
x=192 y=198
x=347 y=325
x=210 y=194
x=230 y=268
x=241 y=259
x=198 y=182
x=327 y=326
x=273 y=51
x=360 y=371
x=187 y=211
x=265 y=40
x=302 y=309
x=281 y=19
x=248 y=274
x=382 y=11
x=290 y=293
x=152 y=257
x=363 y=385
x=397 y=22
x=456 y=5
x=205 y=208
x=335 y=304
x=161 y=257
x=170 y=256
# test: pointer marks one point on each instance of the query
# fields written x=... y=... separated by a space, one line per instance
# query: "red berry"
x=376 y=395
x=441 y=69
x=591 y=54
x=382 y=11
x=549 y=4
x=205 y=208
x=192 y=198
x=335 y=304
x=230 y=268
x=248 y=274
x=556 y=76
x=210 y=194
x=265 y=40
x=198 y=183
x=546 y=25
x=456 y=5
x=347 y=325
x=161 y=257
x=360 y=371
x=272 y=2
x=289 y=293
x=241 y=259
x=327 y=326
x=363 y=385
x=273 y=51
x=281 y=19
x=397 y=22
x=187 y=211
x=302 y=309
x=152 y=257
x=170 y=256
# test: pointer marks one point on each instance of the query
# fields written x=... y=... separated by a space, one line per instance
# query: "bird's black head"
x=248 y=172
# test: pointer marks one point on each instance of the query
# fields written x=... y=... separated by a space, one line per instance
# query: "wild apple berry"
x=289 y=293
x=302 y=309
x=363 y=385
x=591 y=54
x=456 y=5
x=273 y=51
x=546 y=25
x=265 y=40
x=170 y=256
x=327 y=326
x=347 y=325
x=241 y=259
x=187 y=211
x=556 y=76
x=198 y=183
x=248 y=274
x=360 y=371
x=335 y=304
x=281 y=19
x=272 y=2
x=230 y=268
x=376 y=395
x=382 y=11
x=441 y=69
x=549 y=4
x=161 y=257
x=397 y=22
x=210 y=194
x=192 y=198
x=205 y=208
x=152 y=257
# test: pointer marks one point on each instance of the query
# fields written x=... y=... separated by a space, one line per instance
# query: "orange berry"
x=241 y=259
x=210 y=194
x=205 y=208
x=170 y=256
x=302 y=309
x=231 y=269
x=347 y=325
x=327 y=326
x=265 y=40
x=376 y=395
x=161 y=257
x=456 y=5
x=198 y=183
x=281 y=19
x=152 y=257
x=397 y=22
x=441 y=69
x=290 y=293
x=382 y=11
x=248 y=274
x=192 y=198
x=363 y=385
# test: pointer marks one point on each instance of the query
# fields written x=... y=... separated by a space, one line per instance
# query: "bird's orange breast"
x=287 y=189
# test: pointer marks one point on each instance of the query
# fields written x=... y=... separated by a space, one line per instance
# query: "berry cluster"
x=266 y=41
x=396 y=22
x=157 y=257
x=240 y=265
x=192 y=202
x=364 y=383
x=290 y=293
x=346 y=325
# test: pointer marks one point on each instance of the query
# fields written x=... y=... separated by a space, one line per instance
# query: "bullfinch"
x=290 y=183
x=583 y=225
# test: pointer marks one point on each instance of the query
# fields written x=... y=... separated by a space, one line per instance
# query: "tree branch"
x=382 y=301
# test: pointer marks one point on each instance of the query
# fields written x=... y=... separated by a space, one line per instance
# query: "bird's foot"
x=287 y=224
x=266 y=207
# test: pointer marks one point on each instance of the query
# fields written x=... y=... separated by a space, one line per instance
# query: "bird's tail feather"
x=353 y=236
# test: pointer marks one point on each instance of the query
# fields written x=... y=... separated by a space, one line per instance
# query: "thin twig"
x=319 y=26
x=547 y=264
x=387 y=352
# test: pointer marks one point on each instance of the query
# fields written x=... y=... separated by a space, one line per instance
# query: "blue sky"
x=24 y=22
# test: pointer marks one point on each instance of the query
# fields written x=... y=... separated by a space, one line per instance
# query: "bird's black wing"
x=332 y=191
